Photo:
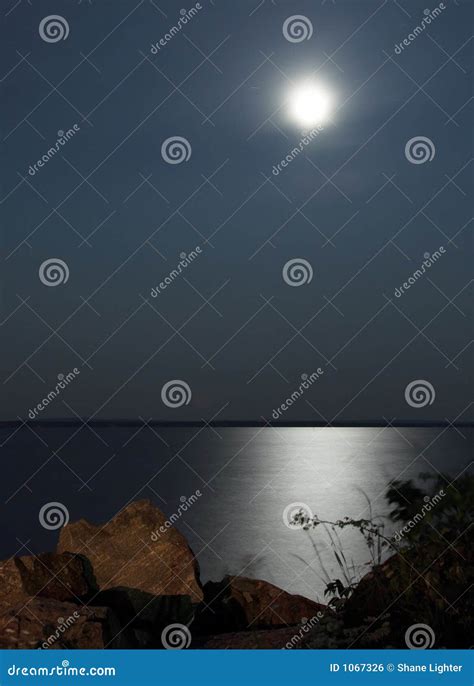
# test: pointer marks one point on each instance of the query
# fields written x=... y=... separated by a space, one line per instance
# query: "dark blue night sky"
x=350 y=204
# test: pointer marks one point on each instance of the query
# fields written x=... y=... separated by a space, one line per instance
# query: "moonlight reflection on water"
x=247 y=476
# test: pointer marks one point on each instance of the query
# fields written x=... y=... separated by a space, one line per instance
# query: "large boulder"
x=239 y=603
x=50 y=624
x=136 y=549
x=63 y=577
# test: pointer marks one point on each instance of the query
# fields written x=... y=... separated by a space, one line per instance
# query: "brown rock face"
x=239 y=603
x=50 y=624
x=64 y=577
x=137 y=550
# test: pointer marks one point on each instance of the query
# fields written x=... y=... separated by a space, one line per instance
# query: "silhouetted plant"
x=422 y=571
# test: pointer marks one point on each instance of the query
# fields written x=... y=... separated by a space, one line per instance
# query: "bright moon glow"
x=310 y=105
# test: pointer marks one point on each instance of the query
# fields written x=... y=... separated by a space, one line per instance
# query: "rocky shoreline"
x=123 y=585
x=116 y=586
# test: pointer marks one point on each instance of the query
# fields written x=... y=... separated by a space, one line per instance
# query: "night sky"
x=350 y=204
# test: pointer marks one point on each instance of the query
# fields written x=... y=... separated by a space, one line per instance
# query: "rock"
x=275 y=639
x=145 y=615
x=372 y=595
x=238 y=603
x=131 y=550
x=412 y=587
x=50 y=624
x=382 y=587
x=63 y=577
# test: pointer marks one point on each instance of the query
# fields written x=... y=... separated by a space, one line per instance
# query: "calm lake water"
x=247 y=477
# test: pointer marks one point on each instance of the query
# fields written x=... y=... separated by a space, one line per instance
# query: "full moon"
x=310 y=104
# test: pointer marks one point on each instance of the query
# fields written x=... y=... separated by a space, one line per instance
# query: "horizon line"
x=236 y=423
